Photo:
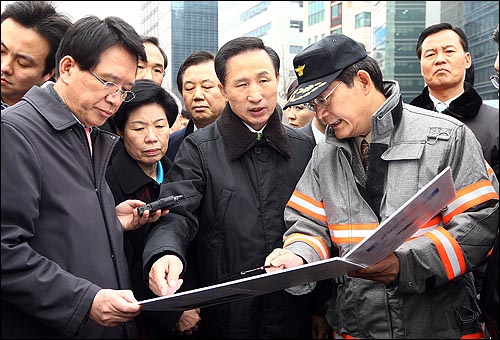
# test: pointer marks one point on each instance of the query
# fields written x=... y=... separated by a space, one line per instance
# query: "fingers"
x=164 y=275
x=188 y=322
x=274 y=260
x=113 y=307
x=282 y=258
x=127 y=295
x=153 y=217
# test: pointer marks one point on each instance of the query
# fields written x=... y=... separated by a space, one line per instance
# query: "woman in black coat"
x=136 y=171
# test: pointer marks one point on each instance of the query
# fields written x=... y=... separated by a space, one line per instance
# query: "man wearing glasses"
x=338 y=201
x=443 y=51
x=64 y=272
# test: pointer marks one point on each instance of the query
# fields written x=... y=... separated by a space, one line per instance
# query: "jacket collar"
x=238 y=139
x=465 y=107
x=129 y=174
x=51 y=107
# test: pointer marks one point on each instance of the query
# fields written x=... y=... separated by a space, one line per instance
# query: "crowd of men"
x=86 y=140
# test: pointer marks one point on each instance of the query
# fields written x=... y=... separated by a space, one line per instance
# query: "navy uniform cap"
x=318 y=65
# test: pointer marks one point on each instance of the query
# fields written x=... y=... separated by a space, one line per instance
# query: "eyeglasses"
x=112 y=89
x=494 y=80
x=320 y=101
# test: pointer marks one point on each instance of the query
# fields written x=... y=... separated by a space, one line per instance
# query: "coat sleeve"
x=173 y=232
x=467 y=227
x=307 y=232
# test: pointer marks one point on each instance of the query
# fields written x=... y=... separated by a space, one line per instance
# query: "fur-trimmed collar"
x=239 y=139
x=464 y=108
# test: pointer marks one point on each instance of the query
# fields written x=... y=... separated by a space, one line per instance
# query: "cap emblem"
x=300 y=70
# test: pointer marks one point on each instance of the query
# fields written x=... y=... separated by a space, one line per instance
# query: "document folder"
x=386 y=238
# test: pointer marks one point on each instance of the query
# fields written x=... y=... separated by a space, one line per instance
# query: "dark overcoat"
x=236 y=189
x=61 y=239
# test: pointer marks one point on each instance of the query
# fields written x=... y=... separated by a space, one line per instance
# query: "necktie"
x=440 y=107
x=365 y=148
x=260 y=136
x=87 y=132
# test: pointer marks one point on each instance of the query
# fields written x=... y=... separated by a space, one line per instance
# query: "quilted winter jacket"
x=335 y=207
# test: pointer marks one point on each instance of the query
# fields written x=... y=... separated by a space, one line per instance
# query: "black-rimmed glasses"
x=320 y=101
x=112 y=89
x=494 y=80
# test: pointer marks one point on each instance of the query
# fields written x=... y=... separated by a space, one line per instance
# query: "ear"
x=468 y=60
x=66 y=66
x=365 y=80
x=221 y=89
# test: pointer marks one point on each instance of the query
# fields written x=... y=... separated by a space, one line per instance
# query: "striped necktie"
x=365 y=151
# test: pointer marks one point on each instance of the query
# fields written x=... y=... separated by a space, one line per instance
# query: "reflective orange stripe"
x=308 y=199
x=483 y=192
x=316 y=242
x=445 y=245
x=489 y=169
x=351 y=233
x=478 y=335
x=304 y=210
x=342 y=336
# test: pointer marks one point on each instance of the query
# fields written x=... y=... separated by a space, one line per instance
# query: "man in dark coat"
x=237 y=175
x=199 y=86
x=444 y=56
x=443 y=51
x=64 y=272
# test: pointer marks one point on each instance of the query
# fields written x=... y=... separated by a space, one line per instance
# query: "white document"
x=386 y=238
x=405 y=221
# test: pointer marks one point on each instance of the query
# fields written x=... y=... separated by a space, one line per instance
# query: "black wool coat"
x=236 y=188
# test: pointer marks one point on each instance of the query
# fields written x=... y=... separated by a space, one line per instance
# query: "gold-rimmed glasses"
x=112 y=89
x=320 y=101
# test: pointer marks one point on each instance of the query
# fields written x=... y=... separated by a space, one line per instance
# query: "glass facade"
x=405 y=21
x=478 y=19
x=316 y=12
x=194 y=28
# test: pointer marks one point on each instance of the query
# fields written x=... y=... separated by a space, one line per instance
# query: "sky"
x=128 y=11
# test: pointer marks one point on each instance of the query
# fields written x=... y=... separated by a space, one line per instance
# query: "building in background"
x=278 y=23
x=182 y=27
x=388 y=29
x=396 y=26
x=478 y=19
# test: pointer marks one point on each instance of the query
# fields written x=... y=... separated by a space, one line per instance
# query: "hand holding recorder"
x=162 y=203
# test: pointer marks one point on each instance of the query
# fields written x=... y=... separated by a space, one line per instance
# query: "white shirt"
x=438 y=105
